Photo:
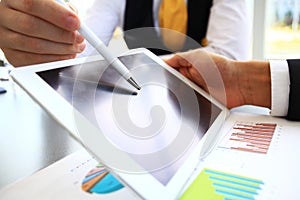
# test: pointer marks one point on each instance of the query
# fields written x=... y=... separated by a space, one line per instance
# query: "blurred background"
x=282 y=34
x=275 y=28
x=276 y=33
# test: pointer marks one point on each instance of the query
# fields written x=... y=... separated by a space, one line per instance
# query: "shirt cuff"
x=280 y=80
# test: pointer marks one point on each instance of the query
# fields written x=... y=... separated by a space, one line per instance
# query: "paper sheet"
x=66 y=179
x=225 y=173
x=276 y=168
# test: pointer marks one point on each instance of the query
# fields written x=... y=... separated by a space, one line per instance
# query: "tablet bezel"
x=145 y=185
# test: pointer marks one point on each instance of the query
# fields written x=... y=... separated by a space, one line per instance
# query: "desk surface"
x=30 y=138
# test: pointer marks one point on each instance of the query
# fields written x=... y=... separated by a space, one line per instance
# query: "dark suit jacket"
x=138 y=18
x=294 y=98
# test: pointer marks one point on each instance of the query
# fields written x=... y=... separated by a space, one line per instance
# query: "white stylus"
x=91 y=37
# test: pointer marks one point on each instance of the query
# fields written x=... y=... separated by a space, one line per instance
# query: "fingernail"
x=72 y=23
x=81 y=47
x=79 y=38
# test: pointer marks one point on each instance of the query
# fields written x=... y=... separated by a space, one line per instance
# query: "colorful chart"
x=100 y=181
x=212 y=184
x=251 y=137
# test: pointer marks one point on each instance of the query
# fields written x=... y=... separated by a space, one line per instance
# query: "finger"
x=19 y=58
x=185 y=72
x=197 y=77
x=183 y=62
x=177 y=61
x=173 y=61
x=36 y=45
x=48 y=10
x=36 y=27
x=194 y=76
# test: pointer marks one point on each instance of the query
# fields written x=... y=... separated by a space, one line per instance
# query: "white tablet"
x=152 y=139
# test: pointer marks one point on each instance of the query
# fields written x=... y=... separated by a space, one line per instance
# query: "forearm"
x=255 y=82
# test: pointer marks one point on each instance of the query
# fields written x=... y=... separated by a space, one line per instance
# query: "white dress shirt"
x=280 y=84
x=228 y=29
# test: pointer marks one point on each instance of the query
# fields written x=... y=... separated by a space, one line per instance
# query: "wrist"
x=255 y=82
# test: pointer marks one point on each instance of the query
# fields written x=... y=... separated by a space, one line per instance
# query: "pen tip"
x=133 y=83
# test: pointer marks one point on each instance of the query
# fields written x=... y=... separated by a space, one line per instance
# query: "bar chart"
x=250 y=137
x=213 y=184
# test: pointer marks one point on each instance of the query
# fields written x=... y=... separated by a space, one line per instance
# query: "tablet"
x=152 y=140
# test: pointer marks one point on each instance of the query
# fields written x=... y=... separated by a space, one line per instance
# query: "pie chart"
x=100 y=181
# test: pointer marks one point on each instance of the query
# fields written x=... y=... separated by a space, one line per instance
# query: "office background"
x=276 y=31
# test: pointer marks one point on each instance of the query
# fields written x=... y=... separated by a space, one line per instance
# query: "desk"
x=34 y=140
x=30 y=138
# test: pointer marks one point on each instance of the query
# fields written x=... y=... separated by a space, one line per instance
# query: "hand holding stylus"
x=31 y=33
x=104 y=51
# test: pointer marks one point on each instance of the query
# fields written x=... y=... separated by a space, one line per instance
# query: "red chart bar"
x=250 y=137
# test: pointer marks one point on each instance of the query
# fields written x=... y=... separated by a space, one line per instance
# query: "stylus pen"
x=91 y=37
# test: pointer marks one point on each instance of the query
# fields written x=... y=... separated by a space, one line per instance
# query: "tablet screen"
x=157 y=126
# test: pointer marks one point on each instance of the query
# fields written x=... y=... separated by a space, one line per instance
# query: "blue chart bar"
x=233 y=185
x=212 y=184
x=100 y=181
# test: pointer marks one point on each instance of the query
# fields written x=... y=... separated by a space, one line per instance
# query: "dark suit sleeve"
x=294 y=98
